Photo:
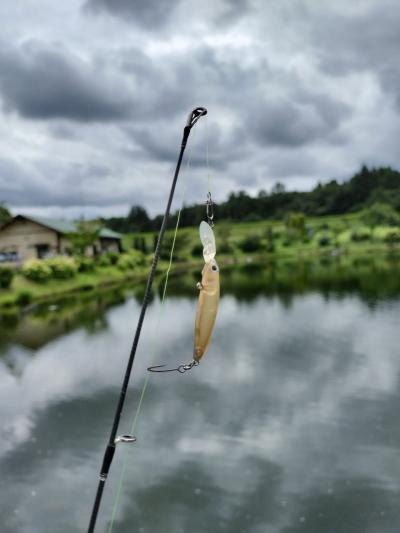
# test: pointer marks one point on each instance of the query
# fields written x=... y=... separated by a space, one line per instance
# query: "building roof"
x=67 y=226
x=57 y=224
x=107 y=233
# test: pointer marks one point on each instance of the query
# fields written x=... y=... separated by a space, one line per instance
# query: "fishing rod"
x=114 y=440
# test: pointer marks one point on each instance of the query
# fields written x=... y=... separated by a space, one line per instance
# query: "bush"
x=36 y=270
x=381 y=214
x=361 y=234
x=392 y=236
x=109 y=258
x=296 y=224
x=138 y=257
x=24 y=297
x=103 y=260
x=251 y=243
x=6 y=276
x=86 y=286
x=62 y=267
x=8 y=302
x=131 y=260
x=85 y=264
x=324 y=241
x=113 y=257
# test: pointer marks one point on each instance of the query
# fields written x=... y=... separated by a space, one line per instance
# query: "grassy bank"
x=237 y=243
x=101 y=277
x=345 y=234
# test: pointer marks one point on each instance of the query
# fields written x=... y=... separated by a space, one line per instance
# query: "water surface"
x=290 y=423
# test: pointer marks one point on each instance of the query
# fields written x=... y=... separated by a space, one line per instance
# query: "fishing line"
x=153 y=350
x=209 y=202
x=207 y=155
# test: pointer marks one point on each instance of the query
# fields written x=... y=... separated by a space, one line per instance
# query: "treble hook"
x=181 y=368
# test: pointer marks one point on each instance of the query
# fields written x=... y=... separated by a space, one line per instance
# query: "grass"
x=338 y=229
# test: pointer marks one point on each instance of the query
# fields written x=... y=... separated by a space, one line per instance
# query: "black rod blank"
x=110 y=449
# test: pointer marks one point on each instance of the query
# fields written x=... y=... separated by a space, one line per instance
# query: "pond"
x=289 y=425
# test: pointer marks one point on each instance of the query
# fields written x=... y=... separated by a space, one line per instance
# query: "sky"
x=94 y=95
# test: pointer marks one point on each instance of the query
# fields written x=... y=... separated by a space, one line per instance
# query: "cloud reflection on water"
x=291 y=413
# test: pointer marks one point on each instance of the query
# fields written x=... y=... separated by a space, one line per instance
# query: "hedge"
x=6 y=276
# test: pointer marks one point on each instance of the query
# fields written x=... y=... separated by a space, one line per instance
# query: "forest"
x=367 y=187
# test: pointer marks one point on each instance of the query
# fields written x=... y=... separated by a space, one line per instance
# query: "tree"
x=380 y=214
x=366 y=187
x=278 y=188
x=5 y=215
x=139 y=243
x=138 y=219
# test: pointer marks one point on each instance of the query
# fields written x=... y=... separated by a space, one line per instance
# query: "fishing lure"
x=207 y=305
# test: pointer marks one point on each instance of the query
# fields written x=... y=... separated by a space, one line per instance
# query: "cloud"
x=158 y=15
x=151 y=14
x=40 y=82
x=365 y=39
x=224 y=147
x=289 y=124
x=298 y=92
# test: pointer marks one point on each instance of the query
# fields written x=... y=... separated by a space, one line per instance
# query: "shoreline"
x=110 y=277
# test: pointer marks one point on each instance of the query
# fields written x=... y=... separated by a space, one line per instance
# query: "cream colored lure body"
x=207 y=308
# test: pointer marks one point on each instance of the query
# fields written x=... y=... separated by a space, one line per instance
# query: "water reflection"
x=289 y=424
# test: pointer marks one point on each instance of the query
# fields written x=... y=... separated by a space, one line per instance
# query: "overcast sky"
x=94 y=95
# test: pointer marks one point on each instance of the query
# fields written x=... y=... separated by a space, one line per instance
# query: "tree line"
x=366 y=187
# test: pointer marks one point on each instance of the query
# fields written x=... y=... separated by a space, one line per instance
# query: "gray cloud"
x=289 y=114
x=151 y=14
x=366 y=40
x=232 y=10
x=43 y=83
x=157 y=15
x=298 y=92
x=224 y=147
x=72 y=184
x=287 y=123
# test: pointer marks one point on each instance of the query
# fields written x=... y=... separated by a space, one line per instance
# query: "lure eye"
x=214 y=267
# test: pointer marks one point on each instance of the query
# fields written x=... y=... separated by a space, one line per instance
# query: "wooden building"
x=26 y=237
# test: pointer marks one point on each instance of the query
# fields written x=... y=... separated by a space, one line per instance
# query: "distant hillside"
x=363 y=189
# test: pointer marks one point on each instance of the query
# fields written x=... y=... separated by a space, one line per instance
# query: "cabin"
x=26 y=237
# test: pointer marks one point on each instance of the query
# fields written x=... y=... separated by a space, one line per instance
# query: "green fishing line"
x=153 y=351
